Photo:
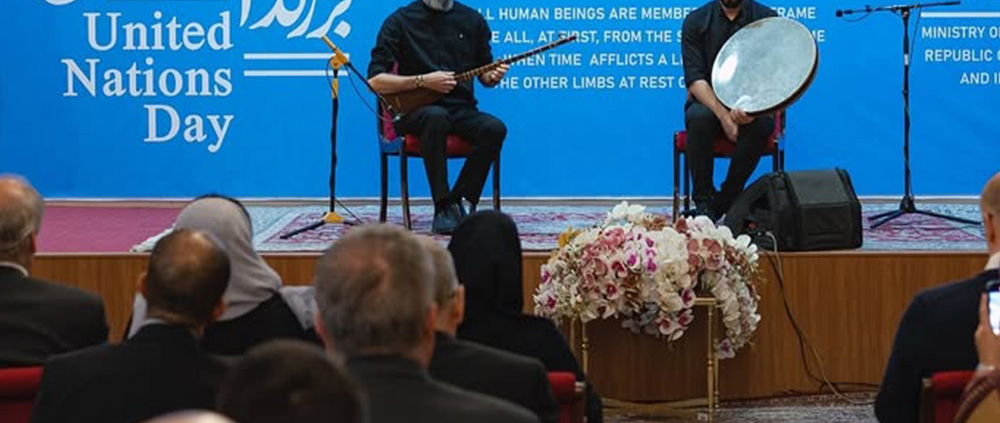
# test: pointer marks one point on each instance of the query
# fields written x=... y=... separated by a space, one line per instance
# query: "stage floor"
x=122 y=228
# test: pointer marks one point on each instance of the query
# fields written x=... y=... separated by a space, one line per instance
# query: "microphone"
x=336 y=51
x=840 y=13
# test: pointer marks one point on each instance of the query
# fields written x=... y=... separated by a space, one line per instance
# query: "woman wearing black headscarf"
x=487 y=252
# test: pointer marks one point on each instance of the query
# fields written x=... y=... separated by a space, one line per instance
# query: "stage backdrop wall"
x=140 y=98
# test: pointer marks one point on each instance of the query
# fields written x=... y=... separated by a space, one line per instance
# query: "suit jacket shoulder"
x=519 y=379
x=475 y=407
x=934 y=335
x=39 y=319
x=159 y=370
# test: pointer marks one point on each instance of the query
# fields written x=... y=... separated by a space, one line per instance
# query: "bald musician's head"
x=989 y=204
x=21 y=211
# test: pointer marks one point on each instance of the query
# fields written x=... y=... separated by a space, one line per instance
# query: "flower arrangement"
x=638 y=268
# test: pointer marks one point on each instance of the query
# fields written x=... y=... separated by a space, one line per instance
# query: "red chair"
x=724 y=149
x=404 y=147
x=941 y=395
x=569 y=395
x=18 y=387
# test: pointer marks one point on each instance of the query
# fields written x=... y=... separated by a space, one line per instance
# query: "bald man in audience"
x=479 y=368
x=37 y=319
x=936 y=332
x=375 y=292
x=191 y=417
x=161 y=368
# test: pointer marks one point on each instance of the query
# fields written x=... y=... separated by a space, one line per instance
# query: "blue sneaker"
x=445 y=222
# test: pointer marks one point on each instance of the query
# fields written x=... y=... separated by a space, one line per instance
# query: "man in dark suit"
x=161 y=368
x=479 y=368
x=936 y=332
x=375 y=293
x=37 y=319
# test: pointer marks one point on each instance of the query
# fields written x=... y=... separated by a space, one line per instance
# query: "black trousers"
x=433 y=124
x=703 y=127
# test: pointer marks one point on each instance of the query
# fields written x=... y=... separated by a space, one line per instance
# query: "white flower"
x=622 y=269
x=624 y=211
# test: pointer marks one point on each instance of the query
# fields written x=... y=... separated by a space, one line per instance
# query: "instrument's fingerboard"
x=468 y=75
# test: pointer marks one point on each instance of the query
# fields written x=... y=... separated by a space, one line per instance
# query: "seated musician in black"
x=705 y=31
x=426 y=42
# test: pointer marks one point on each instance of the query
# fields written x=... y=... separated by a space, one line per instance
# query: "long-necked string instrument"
x=407 y=101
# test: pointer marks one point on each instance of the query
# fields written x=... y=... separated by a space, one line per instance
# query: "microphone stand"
x=908 y=204
x=338 y=61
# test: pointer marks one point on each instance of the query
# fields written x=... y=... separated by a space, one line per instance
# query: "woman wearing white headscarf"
x=258 y=308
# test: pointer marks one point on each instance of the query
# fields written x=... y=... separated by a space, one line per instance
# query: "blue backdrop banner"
x=167 y=98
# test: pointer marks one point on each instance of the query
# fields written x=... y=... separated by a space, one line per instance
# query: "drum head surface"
x=765 y=66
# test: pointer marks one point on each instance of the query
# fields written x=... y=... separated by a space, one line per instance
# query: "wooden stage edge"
x=847 y=303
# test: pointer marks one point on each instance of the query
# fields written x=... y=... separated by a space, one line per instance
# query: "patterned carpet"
x=798 y=409
x=541 y=225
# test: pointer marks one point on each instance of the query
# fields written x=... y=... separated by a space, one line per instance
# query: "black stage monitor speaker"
x=804 y=210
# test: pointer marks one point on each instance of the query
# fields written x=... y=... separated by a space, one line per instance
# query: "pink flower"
x=600 y=268
x=611 y=290
x=651 y=266
x=551 y=303
x=619 y=268
x=713 y=262
x=693 y=246
x=712 y=246
x=668 y=326
x=688 y=297
x=686 y=317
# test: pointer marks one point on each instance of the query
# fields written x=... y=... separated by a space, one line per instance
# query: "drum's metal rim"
x=798 y=91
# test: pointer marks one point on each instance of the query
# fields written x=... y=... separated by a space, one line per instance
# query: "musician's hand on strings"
x=440 y=81
x=493 y=77
x=730 y=127
x=740 y=117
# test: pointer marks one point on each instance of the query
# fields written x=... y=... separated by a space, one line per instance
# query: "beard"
x=443 y=5
x=732 y=4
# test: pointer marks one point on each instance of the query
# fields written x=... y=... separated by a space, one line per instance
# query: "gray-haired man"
x=37 y=319
x=479 y=368
x=375 y=291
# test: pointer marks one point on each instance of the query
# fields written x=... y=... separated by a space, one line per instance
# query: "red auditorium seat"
x=18 y=387
x=569 y=395
x=941 y=394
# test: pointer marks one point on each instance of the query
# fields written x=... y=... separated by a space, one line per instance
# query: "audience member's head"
x=188 y=272
x=288 y=381
x=989 y=204
x=21 y=211
x=487 y=252
x=375 y=293
x=251 y=280
x=449 y=296
x=191 y=417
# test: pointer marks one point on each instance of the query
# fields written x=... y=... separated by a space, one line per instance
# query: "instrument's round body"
x=765 y=66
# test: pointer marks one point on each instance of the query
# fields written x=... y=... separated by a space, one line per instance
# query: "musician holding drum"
x=426 y=42
x=704 y=33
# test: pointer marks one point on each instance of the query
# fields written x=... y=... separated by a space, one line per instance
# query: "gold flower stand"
x=702 y=409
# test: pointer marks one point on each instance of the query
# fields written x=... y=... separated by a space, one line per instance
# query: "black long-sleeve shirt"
x=706 y=30
x=417 y=40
